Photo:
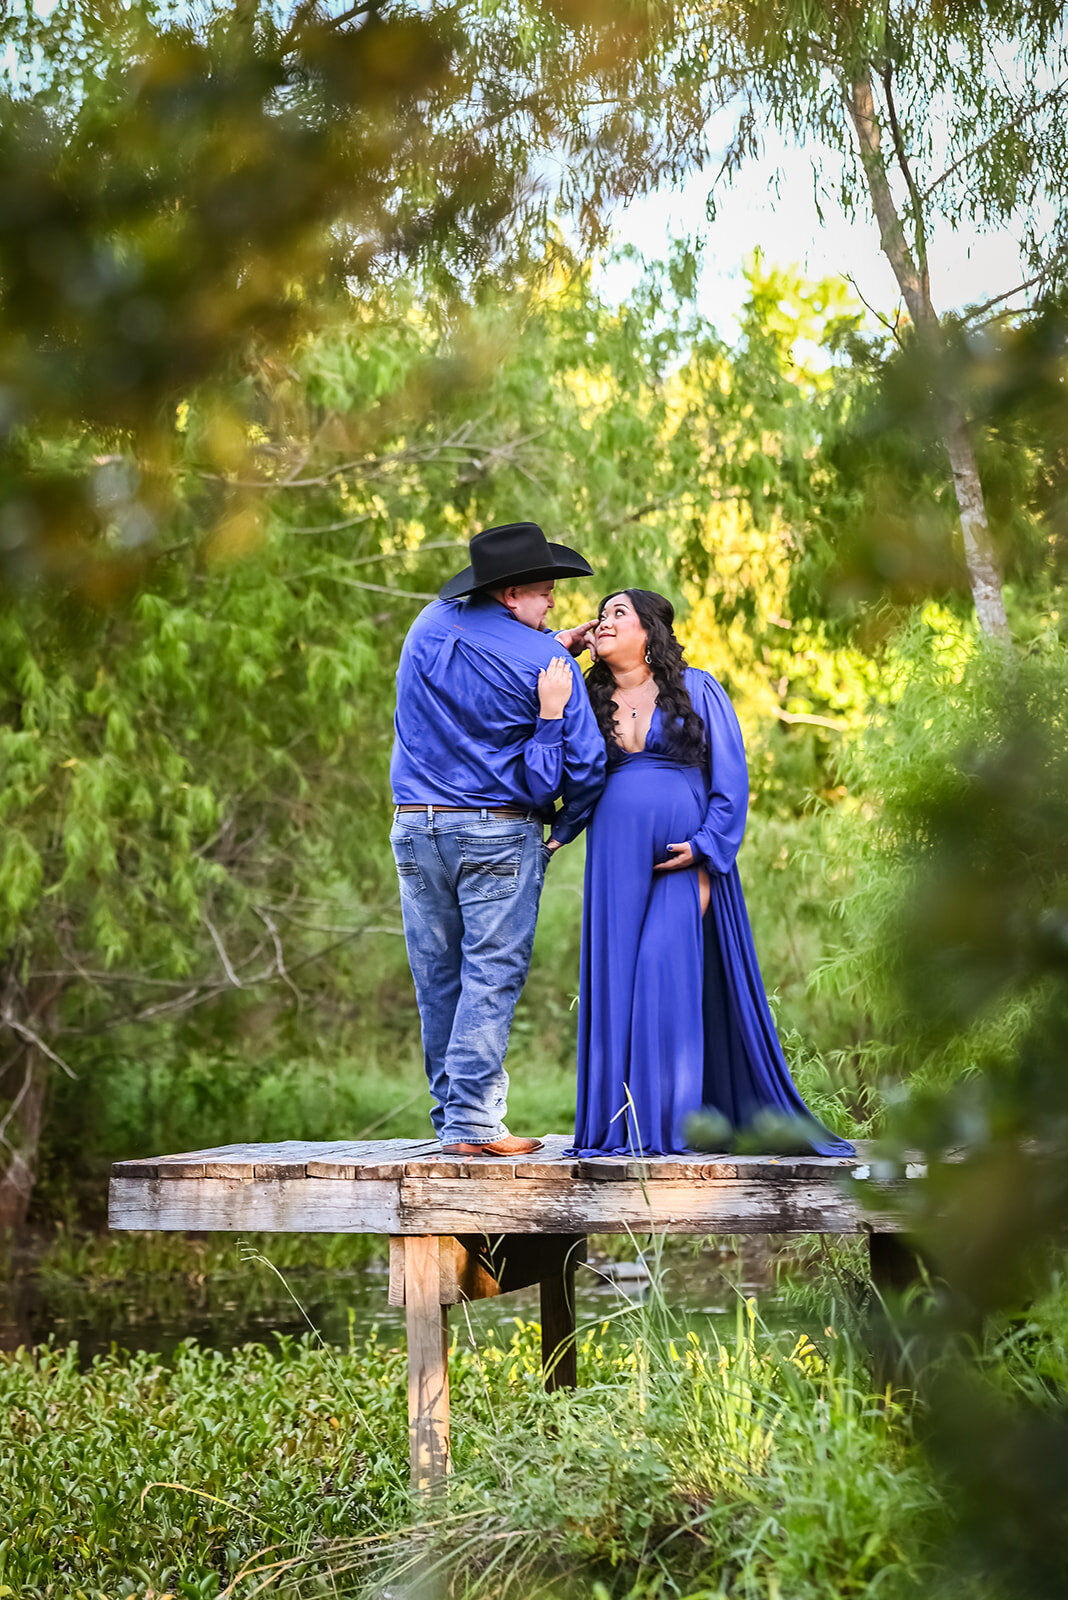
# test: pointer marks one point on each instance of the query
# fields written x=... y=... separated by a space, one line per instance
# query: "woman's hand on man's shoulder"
x=555 y=683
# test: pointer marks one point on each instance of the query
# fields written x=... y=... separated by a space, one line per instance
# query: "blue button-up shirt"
x=467 y=727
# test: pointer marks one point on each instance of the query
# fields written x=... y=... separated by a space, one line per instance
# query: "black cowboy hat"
x=516 y=552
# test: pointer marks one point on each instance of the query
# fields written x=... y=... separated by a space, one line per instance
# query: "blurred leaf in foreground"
x=981 y=952
x=176 y=197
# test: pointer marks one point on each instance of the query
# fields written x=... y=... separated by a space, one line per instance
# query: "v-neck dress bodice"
x=673 y=1017
x=653 y=746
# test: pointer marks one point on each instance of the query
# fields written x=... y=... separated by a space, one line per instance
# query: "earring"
x=648 y=657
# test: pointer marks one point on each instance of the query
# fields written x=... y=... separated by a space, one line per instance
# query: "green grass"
x=289 y=1446
x=753 y=1467
x=683 y=1462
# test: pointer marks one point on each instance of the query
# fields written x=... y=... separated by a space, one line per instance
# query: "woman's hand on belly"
x=682 y=856
x=679 y=857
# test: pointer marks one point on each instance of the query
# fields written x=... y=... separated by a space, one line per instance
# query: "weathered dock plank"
x=361 y=1160
x=281 y=1199
x=227 y=1205
x=627 y=1205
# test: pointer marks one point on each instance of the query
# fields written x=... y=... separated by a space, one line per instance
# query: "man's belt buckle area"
x=498 y=813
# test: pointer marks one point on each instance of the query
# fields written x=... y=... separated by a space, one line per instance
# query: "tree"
x=940 y=112
x=182 y=198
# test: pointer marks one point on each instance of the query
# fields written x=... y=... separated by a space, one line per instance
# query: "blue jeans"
x=470 y=885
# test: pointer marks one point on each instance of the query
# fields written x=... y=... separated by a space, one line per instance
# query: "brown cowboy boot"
x=509 y=1145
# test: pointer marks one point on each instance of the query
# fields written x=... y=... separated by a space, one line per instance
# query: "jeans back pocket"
x=491 y=862
x=409 y=876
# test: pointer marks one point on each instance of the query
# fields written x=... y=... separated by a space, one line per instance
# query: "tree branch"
x=1013 y=122
x=198 y=994
x=31 y=1036
x=306 y=11
x=906 y=170
x=223 y=957
x=461 y=444
x=1028 y=283
x=278 y=953
x=816 y=722
x=336 y=527
x=891 y=327
x=91 y=975
x=861 y=107
x=19 y=1171
x=375 y=588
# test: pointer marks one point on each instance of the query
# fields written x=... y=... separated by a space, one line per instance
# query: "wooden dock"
x=465 y=1228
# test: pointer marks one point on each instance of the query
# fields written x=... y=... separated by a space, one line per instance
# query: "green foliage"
x=133 y=735
x=748 y=1461
x=178 y=190
x=247 y=1450
x=883 y=527
x=961 y=883
x=96 y=1260
x=954 y=866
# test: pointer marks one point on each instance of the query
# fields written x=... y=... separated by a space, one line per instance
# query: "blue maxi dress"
x=672 y=1011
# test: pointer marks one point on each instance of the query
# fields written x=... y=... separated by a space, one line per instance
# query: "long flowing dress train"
x=673 y=1016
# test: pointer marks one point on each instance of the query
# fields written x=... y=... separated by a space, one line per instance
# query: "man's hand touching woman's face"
x=576 y=640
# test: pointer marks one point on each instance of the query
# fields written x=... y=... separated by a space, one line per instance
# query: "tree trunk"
x=23 y=1083
x=911 y=274
x=978 y=546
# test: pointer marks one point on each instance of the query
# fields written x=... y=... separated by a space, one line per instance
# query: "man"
x=475 y=770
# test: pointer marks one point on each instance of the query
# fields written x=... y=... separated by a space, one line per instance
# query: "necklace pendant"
x=633 y=715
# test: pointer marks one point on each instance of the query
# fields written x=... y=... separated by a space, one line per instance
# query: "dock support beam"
x=559 y=1357
x=896 y=1266
x=428 y=1367
x=428 y=1273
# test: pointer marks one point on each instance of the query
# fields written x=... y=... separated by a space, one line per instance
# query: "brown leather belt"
x=500 y=813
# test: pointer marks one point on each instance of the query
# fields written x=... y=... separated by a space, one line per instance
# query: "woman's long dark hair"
x=682 y=726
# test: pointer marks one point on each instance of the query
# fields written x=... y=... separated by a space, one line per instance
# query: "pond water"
x=223 y=1310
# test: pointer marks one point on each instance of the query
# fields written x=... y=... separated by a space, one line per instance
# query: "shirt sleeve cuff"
x=549 y=730
x=695 y=845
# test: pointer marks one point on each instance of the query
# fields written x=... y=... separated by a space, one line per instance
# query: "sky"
x=771 y=206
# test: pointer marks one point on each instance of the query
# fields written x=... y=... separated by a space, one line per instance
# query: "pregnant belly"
x=647 y=805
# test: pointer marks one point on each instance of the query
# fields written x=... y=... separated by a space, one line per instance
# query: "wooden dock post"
x=429 y=1273
x=428 y=1363
x=896 y=1266
x=559 y=1355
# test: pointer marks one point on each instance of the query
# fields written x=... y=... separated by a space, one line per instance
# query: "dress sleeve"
x=716 y=842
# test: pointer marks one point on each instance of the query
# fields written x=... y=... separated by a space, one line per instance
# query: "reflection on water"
x=226 y=1309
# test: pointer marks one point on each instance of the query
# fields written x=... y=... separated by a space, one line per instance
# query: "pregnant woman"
x=672 y=1012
